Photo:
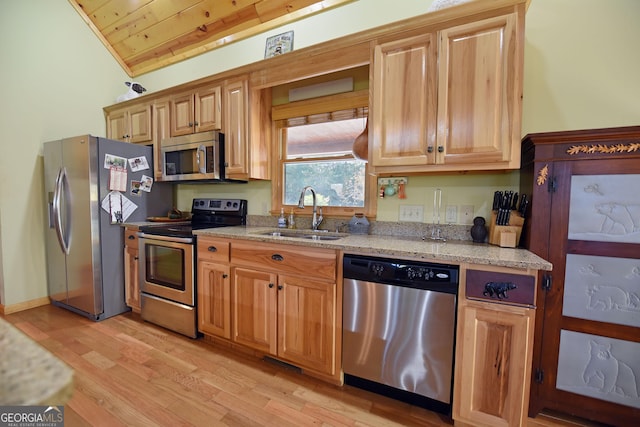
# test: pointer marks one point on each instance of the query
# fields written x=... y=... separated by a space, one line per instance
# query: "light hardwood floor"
x=129 y=372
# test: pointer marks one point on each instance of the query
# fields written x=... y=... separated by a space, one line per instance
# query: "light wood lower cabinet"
x=255 y=309
x=214 y=287
x=287 y=316
x=307 y=323
x=131 y=280
x=494 y=349
x=278 y=300
x=214 y=299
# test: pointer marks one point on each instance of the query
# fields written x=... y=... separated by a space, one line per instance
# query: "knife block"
x=506 y=236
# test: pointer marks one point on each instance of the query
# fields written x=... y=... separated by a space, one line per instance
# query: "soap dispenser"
x=292 y=222
x=282 y=221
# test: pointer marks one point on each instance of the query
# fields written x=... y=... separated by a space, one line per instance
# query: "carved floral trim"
x=604 y=149
x=543 y=175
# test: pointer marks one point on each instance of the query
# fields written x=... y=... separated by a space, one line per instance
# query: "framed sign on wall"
x=279 y=44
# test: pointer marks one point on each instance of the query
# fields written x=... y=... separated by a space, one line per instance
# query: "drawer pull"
x=277 y=257
x=212 y=249
x=498 y=289
x=131 y=237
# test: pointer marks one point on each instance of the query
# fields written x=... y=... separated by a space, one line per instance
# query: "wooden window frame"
x=279 y=116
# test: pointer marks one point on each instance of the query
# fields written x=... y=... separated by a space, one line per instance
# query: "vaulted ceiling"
x=145 y=35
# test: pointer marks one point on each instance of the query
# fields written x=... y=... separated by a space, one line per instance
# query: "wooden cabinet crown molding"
x=342 y=53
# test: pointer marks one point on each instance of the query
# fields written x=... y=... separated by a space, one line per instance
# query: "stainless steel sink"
x=302 y=235
x=320 y=237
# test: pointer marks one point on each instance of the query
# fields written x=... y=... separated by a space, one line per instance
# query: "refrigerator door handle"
x=202 y=166
x=57 y=195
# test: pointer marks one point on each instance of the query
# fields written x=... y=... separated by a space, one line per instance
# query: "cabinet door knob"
x=270 y=285
x=190 y=124
x=280 y=287
x=277 y=257
x=197 y=123
x=131 y=237
x=212 y=249
x=440 y=149
x=430 y=149
x=135 y=257
x=224 y=276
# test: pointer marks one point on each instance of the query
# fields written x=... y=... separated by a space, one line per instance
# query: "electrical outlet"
x=411 y=213
x=466 y=214
x=451 y=214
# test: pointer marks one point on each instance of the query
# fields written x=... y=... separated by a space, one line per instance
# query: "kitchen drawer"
x=501 y=288
x=131 y=238
x=213 y=249
x=286 y=259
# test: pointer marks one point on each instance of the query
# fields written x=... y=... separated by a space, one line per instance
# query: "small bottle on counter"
x=292 y=221
x=282 y=221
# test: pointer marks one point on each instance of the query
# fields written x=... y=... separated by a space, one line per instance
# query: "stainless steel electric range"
x=167 y=263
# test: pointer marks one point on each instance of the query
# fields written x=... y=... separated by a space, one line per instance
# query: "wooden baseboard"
x=25 y=305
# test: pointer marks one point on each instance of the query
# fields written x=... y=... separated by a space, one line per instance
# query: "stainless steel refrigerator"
x=87 y=179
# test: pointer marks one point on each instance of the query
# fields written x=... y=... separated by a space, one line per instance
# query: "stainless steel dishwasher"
x=399 y=320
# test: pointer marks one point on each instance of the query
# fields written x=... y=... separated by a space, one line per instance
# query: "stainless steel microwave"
x=194 y=157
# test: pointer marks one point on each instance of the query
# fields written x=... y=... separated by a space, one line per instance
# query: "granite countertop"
x=455 y=252
x=30 y=374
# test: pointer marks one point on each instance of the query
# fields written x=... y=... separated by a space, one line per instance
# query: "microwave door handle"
x=202 y=167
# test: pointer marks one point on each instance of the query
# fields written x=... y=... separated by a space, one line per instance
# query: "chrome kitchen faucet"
x=315 y=220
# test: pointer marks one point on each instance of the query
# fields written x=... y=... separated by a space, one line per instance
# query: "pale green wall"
x=581 y=67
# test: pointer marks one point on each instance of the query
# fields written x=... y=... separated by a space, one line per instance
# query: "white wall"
x=54 y=79
x=581 y=63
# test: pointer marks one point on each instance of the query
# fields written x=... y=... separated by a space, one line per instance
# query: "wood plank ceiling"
x=145 y=35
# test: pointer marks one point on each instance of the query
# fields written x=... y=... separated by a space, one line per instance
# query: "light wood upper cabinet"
x=404 y=96
x=161 y=124
x=196 y=111
x=450 y=100
x=479 y=90
x=236 y=127
x=130 y=124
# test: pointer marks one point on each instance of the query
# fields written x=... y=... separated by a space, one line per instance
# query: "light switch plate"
x=466 y=214
x=411 y=213
x=451 y=214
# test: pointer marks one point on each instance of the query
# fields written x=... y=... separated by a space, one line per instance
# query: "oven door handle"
x=165 y=238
